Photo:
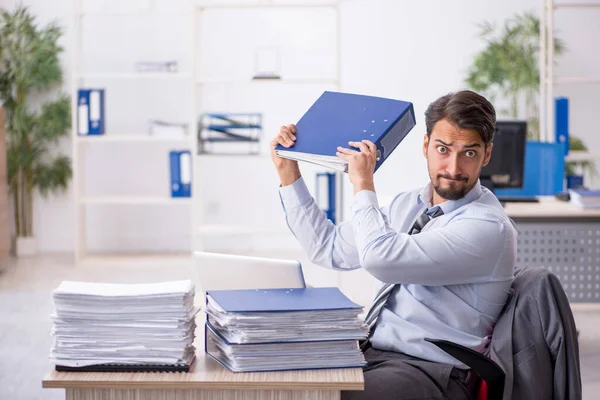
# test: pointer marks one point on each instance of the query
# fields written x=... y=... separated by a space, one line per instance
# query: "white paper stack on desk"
x=283 y=329
x=123 y=324
x=587 y=199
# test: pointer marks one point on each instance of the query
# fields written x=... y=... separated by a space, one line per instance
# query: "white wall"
x=414 y=51
x=580 y=29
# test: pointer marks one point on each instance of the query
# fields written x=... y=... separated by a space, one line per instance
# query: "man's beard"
x=450 y=193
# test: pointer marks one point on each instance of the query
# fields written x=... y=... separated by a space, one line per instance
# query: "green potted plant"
x=509 y=67
x=575 y=169
x=36 y=116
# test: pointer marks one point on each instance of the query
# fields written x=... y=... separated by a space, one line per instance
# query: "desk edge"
x=337 y=386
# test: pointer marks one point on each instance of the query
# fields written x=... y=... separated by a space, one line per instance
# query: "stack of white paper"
x=264 y=327
x=587 y=199
x=167 y=130
x=98 y=323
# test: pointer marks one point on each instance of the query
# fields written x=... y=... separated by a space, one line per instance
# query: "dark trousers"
x=396 y=376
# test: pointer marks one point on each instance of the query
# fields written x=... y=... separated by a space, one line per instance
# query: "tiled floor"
x=25 y=303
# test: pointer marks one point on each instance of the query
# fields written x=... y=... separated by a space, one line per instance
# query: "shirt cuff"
x=364 y=199
x=295 y=195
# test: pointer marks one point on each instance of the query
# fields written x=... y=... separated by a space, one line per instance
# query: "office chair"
x=539 y=294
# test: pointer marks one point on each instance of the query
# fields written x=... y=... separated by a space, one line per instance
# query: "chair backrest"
x=520 y=354
x=535 y=339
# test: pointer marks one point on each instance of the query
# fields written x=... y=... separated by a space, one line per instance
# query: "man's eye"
x=442 y=149
x=470 y=153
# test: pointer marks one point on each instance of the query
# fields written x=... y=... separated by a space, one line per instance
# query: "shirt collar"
x=426 y=197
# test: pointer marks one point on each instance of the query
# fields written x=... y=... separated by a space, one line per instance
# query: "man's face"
x=454 y=159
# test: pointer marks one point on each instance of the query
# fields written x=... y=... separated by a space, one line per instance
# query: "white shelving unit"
x=203 y=229
x=135 y=200
x=548 y=79
x=198 y=229
x=110 y=138
x=136 y=138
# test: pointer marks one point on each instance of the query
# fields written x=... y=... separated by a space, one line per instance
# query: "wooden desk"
x=550 y=210
x=207 y=381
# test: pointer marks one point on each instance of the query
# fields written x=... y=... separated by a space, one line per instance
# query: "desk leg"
x=182 y=394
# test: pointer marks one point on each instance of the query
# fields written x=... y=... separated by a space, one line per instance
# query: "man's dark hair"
x=465 y=109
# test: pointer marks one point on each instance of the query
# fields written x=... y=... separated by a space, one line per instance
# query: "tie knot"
x=424 y=219
x=437 y=211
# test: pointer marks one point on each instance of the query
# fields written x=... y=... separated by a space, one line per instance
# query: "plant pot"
x=574 y=181
x=25 y=246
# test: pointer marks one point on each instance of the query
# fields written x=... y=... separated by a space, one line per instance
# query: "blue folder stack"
x=283 y=329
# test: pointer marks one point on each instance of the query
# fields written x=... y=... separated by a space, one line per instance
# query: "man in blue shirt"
x=444 y=254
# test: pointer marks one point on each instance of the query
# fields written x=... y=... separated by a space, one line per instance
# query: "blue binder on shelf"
x=90 y=112
x=337 y=118
x=561 y=116
x=181 y=173
x=325 y=194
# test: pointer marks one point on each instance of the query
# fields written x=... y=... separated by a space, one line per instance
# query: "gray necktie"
x=386 y=290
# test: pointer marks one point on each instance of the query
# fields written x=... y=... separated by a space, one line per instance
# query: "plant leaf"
x=54 y=176
x=54 y=120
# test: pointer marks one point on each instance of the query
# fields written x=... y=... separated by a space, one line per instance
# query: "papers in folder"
x=338 y=118
x=587 y=199
x=141 y=324
x=283 y=329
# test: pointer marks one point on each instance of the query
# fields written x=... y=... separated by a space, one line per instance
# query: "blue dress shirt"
x=452 y=279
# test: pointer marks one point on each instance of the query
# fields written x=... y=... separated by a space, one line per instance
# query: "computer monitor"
x=505 y=169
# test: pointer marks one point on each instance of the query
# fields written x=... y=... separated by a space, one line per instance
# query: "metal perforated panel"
x=569 y=250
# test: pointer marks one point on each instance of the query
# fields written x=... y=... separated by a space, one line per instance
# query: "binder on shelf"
x=181 y=173
x=325 y=194
x=90 y=112
x=223 y=133
x=562 y=121
x=337 y=118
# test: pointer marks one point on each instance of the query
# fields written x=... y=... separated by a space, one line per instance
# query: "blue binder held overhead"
x=338 y=118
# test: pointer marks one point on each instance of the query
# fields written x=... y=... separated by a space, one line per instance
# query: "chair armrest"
x=486 y=368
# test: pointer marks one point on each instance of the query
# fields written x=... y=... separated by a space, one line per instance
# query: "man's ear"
x=488 y=154
x=425 y=144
